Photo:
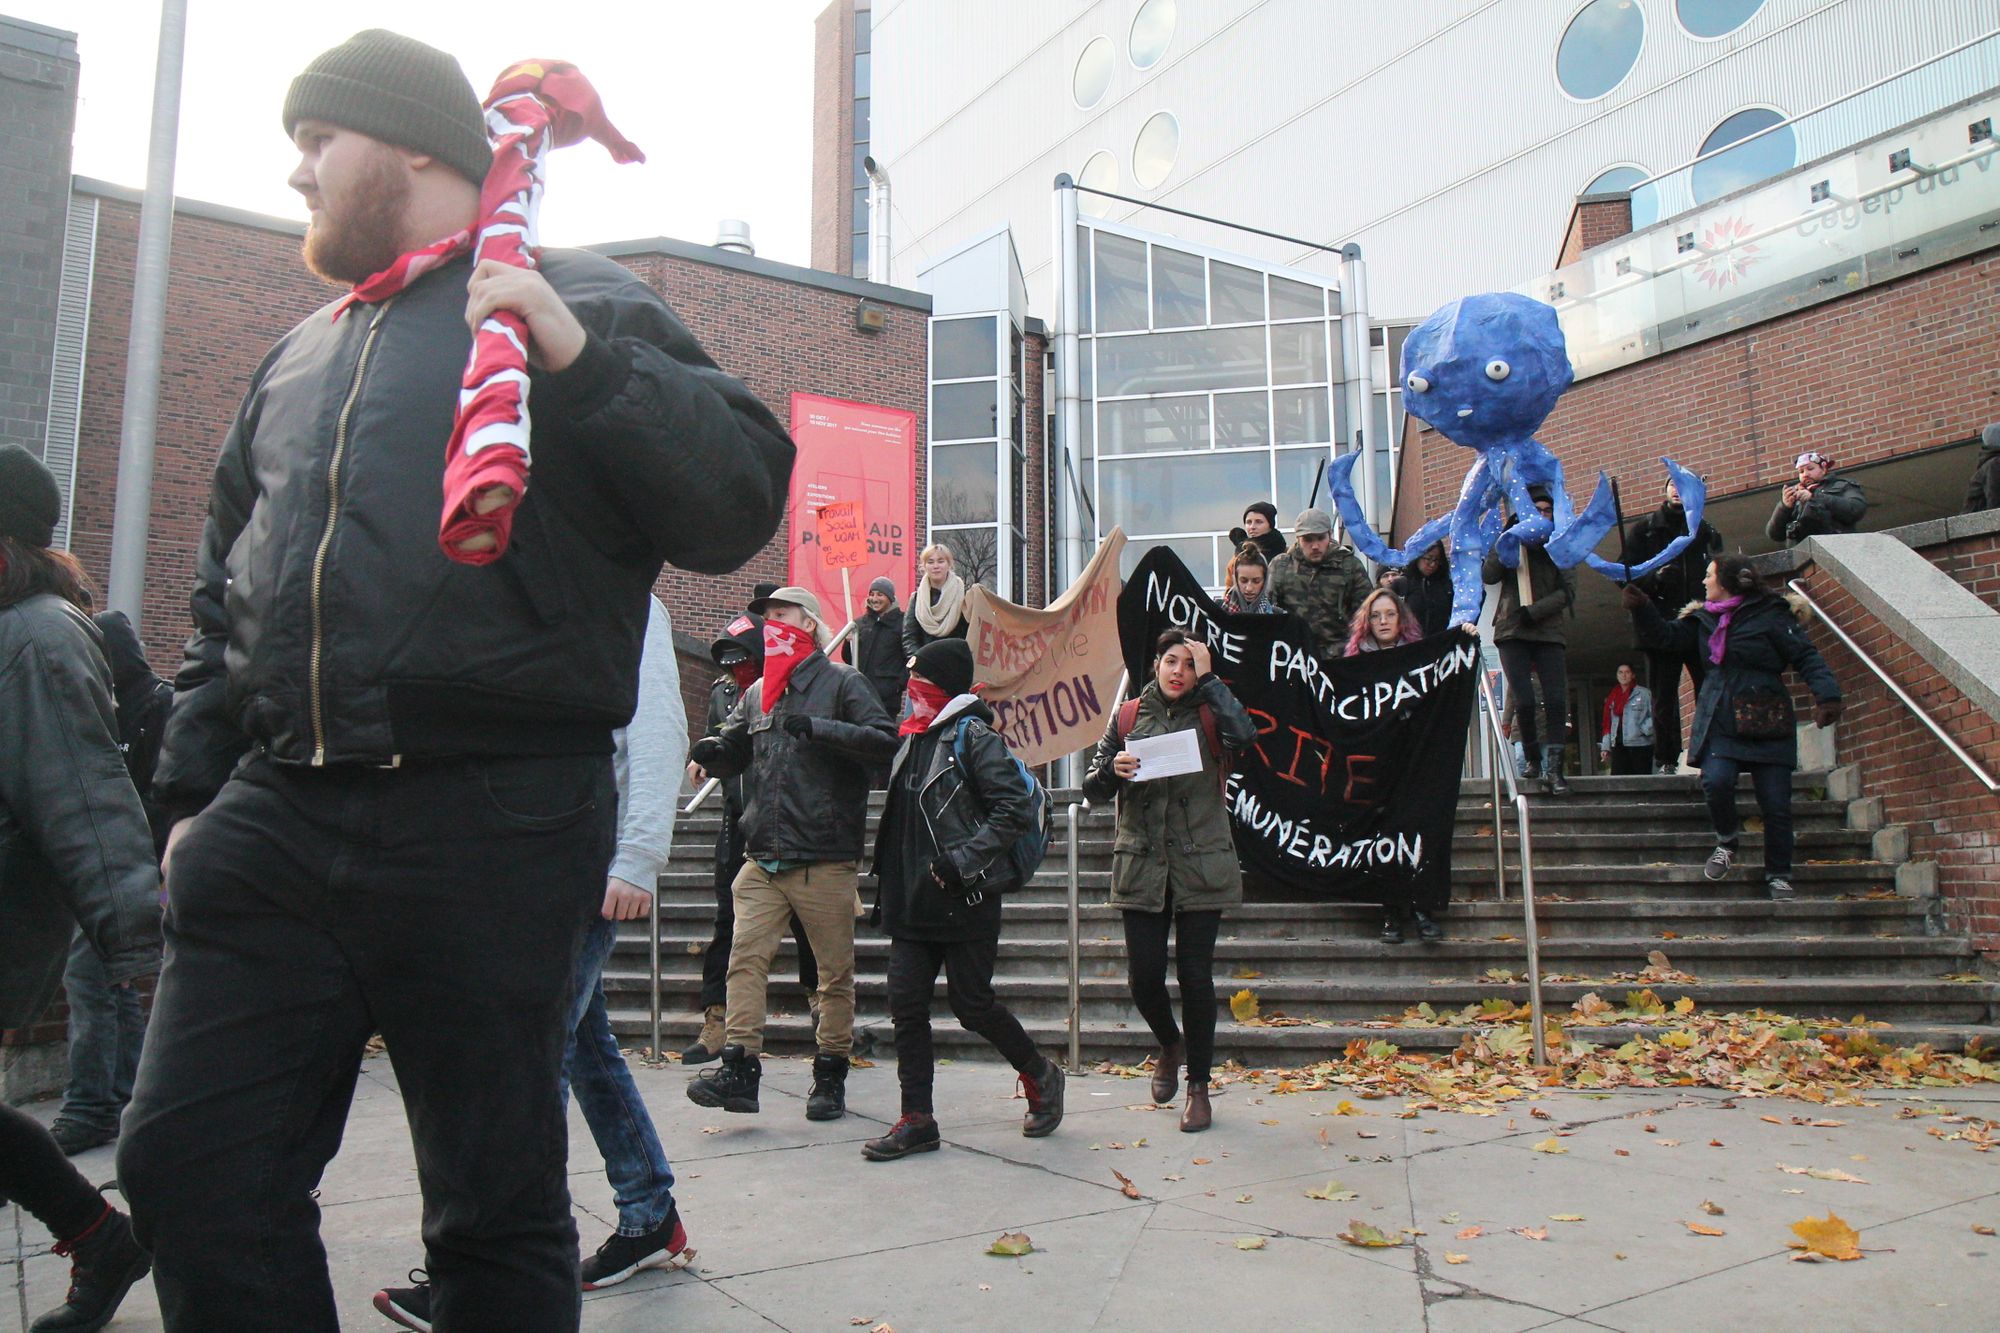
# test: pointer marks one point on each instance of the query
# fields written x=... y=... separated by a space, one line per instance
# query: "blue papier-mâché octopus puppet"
x=1486 y=371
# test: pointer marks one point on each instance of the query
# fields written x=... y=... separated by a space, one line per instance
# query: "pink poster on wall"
x=853 y=452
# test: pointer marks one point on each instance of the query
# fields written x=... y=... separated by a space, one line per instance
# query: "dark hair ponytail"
x=1738 y=576
x=26 y=571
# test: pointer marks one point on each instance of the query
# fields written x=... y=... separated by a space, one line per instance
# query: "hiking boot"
x=74 y=1138
x=621 y=1257
x=732 y=1087
x=1718 y=863
x=1780 y=889
x=828 y=1098
x=1167 y=1073
x=1045 y=1101
x=409 y=1306
x=707 y=1046
x=1552 y=770
x=1428 y=930
x=917 y=1131
x=1668 y=769
x=1392 y=926
x=1195 y=1116
x=104 y=1263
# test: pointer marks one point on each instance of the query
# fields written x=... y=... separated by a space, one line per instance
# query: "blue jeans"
x=106 y=1026
x=641 y=1181
x=1773 y=785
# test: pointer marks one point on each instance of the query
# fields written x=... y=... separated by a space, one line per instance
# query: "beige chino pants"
x=824 y=896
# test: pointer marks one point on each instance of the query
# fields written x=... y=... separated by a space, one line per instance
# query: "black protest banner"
x=1351 y=790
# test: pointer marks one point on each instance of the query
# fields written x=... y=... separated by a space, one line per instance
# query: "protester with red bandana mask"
x=739 y=651
x=391 y=771
x=807 y=734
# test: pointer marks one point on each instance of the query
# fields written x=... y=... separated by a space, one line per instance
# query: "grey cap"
x=1312 y=522
x=799 y=597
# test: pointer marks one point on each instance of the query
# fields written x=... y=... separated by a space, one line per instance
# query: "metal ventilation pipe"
x=878 y=221
x=734 y=234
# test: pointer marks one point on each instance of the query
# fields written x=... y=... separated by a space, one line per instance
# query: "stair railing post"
x=653 y=939
x=1502 y=761
x=1529 y=930
x=1071 y=813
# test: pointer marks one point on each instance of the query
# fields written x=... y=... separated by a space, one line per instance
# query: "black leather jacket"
x=805 y=800
x=970 y=814
x=1673 y=583
x=330 y=628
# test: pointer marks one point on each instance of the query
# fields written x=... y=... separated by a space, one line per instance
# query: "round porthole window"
x=1599 y=48
x=1715 y=18
x=1152 y=32
x=1093 y=73
x=1759 y=159
x=1154 y=151
x=1099 y=173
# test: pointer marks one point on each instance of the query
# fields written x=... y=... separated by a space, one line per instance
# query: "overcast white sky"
x=719 y=95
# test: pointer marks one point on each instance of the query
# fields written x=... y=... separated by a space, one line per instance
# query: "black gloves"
x=706 y=750
x=1826 y=712
x=1632 y=596
x=799 y=727
x=945 y=875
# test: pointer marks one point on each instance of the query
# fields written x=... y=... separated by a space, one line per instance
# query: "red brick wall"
x=1592 y=224
x=1973 y=563
x=1899 y=367
x=833 y=138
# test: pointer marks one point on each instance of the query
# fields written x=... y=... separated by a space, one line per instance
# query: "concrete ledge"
x=1938 y=531
x=1865 y=815
x=1952 y=630
x=1917 y=879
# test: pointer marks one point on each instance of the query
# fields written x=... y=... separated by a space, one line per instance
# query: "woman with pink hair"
x=1381 y=621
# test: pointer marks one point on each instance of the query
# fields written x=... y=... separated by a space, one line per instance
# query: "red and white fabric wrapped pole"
x=536 y=105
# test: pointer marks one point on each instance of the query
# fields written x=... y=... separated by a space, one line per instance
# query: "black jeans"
x=443 y=905
x=35 y=1174
x=1773 y=785
x=1663 y=677
x=1194 y=964
x=968 y=979
x=1631 y=760
x=1524 y=663
x=715 y=959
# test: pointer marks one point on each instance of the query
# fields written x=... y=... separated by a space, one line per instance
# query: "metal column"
x=1070 y=815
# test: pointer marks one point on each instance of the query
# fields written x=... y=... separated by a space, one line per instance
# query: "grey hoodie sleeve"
x=652 y=751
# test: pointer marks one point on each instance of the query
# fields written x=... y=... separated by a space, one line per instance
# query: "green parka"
x=1173 y=833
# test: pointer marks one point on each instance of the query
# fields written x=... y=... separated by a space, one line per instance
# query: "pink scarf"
x=1718 y=638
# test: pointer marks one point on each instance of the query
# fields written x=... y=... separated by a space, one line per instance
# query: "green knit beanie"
x=398 y=90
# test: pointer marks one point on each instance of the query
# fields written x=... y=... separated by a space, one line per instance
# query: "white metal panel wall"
x=1434 y=134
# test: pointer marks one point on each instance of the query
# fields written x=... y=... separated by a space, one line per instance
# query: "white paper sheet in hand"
x=1166 y=756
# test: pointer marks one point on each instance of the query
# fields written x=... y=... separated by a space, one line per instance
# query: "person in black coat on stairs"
x=876 y=647
x=957 y=801
x=1670 y=586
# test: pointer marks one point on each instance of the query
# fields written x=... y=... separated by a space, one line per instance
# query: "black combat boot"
x=828 y=1098
x=1045 y=1101
x=104 y=1263
x=733 y=1087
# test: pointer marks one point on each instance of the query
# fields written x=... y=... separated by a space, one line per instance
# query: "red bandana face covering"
x=785 y=646
x=926 y=702
x=745 y=673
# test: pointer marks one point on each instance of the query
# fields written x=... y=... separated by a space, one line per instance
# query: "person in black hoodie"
x=1982 y=492
x=1670 y=587
x=1425 y=588
x=876 y=648
x=107 y=1023
x=956 y=802
x=1260 y=525
x=739 y=651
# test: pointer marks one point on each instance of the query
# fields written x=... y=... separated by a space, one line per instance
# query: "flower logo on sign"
x=1727 y=257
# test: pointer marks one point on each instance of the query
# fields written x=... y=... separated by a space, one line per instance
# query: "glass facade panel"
x=1199 y=494
x=975 y=553
x=1180 y=289
x=1296 y=300
x=964 y=484
x=861 y=74
x=1298 y=353
x=1197 y=553
x=1149 y=425
x=1297 y=469
x=1083 y=282
x=1238 y=293
x=962 y=348
x=860 y=119
x=1166 y=362
x=1121 y=283
x=1301 y=416
x=964 y=411
x=1242 y=420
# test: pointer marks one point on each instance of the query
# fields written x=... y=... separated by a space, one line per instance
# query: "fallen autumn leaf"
x=1012 y=1244
x=1828 y=1236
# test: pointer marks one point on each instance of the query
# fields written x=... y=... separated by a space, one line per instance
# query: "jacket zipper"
x=316 y=707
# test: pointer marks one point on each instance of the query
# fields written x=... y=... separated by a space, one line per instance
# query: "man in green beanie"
x=389 y=773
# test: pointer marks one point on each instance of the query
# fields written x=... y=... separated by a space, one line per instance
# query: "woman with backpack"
x=1173 y=866
x=958 y=803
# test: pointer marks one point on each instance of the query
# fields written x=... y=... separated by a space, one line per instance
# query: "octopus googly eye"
x=1418 y=384
x=1496 y=369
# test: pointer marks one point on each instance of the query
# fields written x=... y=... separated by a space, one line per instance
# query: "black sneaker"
x=1045 y=1101
x=622 y=1257
x=828 y=1098
x=409 y=1306
x=733 y=1087
x=73 y=1138
x=1392 y=927
x=104 y=1263
x=1428 y=930
x=1780 y=889
x=915 y=1132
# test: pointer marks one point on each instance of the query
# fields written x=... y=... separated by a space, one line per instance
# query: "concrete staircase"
x=1617 y=874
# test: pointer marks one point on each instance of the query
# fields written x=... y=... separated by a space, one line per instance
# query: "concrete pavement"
x=795 y=1231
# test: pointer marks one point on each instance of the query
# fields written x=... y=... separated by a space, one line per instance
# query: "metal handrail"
x=709 y=787
x=1491 y=712
x=1917 y=711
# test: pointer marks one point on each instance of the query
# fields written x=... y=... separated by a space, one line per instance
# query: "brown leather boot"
x=1195 y=1116
x=707 y=1046
x=1167 y=1073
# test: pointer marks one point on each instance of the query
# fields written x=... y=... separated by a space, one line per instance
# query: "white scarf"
x=939 y=617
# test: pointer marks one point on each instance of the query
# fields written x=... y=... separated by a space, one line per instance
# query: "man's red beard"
x=361 y=235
